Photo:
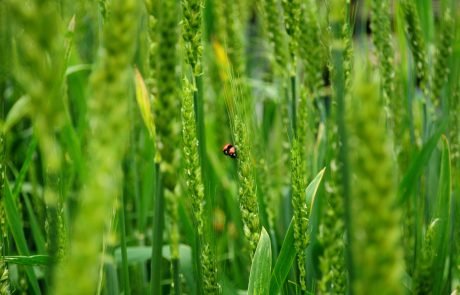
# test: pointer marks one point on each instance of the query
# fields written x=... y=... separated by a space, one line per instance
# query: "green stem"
x=157 y=235
x=198 y=264
x=53 y=241
x=124 y=252
x=177 y=284
x=293 y=104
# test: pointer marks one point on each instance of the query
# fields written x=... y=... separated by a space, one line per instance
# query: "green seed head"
x=192 y=14
x=292 y=13
x=376 y=237
x=166 y=106
x=247 y=185
x=301 y=211
x=277 y=38
x=443 y=53
x=416 y=41
x=107 y=105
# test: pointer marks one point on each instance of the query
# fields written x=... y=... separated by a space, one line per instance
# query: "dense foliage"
x=229 y=147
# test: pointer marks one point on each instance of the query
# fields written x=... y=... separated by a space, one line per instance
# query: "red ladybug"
x=229 y=150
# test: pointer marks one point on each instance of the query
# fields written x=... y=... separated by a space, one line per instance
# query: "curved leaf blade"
x=259 y=278
x=288 y=252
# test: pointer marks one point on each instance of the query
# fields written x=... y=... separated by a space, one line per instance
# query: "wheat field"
x=229 y=147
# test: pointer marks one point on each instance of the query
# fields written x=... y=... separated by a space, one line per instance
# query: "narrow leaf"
x=19 y=110
x=259 y=277
x=24 y=168
x=78 y=68
x=417 y=165
x=143 y=101
x=442 y=213
x=28 y=260
x=15 y=224
x=284 y=262
x=287 y=254
x=312 y=188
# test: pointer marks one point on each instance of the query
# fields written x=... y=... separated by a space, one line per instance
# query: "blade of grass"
x=284 y=261
x=176 y=276
x=442 y=211
x=28 y=260
x=17 y=112
x=16 y=226
x=111 y=281
x=123 y=246
x=78 y=68
x=288 y=253
x=157 y=235
x=25 y=167
x=259 y=277
x=185 y=266
x=36 y=228
x=417 y=166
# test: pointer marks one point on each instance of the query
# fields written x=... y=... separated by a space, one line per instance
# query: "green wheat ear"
x=332 y=229
x=443 y=53
x=277 y=38
x=247 y=185
x=301 y=211
x=381 y=32
x=106 y=146
x=311 y=50
x=292 y=13
x=423 y=274
x=376 y=237
x=196 y=189
x=39 y=69
x=4 y=279
x=191 y=33
x=167 y=113
x=417 y=42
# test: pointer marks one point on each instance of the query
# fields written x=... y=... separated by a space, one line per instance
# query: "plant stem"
x=198 y=265
x=177 y=284
x=124 y=252
x=294 y=105
x=157 y=234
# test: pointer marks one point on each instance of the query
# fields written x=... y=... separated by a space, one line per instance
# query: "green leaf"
x=136 y=254
x=185 y=265
x=417 y=166
x=78 y=68
x=312 y=188
x=284 y=261
x=287 y=254
x=141 y=254
x=16 y=226
x=24 y=168
x=259 y=277
x=19 y=110
x=143 y=101
x=442 y=212
x=36 y=227
x=28 y=260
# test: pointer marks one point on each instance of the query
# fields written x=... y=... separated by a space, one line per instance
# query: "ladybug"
x=229 y=150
